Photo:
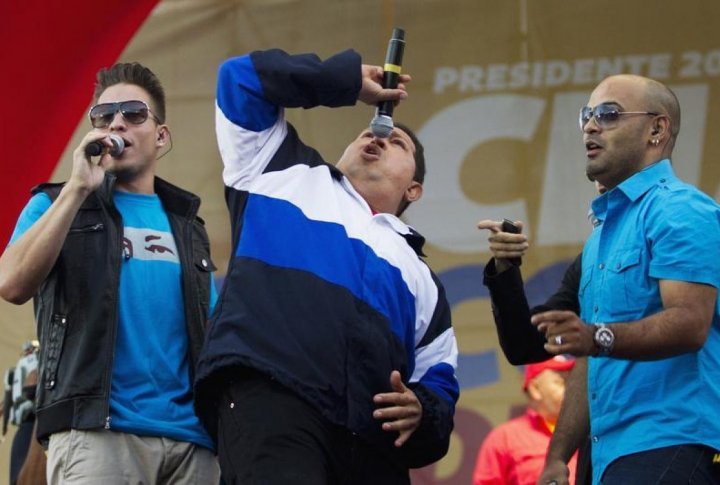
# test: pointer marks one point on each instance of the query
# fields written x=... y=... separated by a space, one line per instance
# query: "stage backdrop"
x=495 y=94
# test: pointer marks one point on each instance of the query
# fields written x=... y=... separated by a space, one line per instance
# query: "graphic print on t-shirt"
x=149 y=244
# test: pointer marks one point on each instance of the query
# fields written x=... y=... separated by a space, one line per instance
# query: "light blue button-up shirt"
x=651 y=227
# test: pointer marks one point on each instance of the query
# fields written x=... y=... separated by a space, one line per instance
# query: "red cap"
x=559 y=363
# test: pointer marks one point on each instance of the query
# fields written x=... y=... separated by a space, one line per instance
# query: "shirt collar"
x=639 y=183
x=633 y=187
x=414 y=239
x=538 y=421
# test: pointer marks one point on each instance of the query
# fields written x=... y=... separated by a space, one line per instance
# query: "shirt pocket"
x=86 y=237
x=626 y=285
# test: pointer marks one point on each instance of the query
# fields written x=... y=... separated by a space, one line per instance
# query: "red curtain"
x=50 y=54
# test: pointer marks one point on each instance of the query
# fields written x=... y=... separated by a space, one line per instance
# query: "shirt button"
x=595 y=439
x=662 y=181
x=204 y=263
x=596 y=309
x=601 y=266
x=594 y=395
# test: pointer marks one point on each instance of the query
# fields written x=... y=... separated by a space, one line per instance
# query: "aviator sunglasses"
x=135 y=112
x=605 y=115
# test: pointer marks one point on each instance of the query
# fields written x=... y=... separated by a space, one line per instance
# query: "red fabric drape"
x=49 y=56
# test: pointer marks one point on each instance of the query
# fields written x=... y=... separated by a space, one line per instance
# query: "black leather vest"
x=76 y=307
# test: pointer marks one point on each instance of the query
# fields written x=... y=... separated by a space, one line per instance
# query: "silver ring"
x=558 y=340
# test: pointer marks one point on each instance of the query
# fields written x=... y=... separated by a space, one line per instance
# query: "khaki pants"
x=108 y=458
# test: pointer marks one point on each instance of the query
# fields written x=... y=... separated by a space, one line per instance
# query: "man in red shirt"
x=514 y=452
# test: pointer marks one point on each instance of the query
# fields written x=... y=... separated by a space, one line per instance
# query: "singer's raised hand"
x=372 y=91
x=87 y=175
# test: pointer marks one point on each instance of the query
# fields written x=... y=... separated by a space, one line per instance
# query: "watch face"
x=604 y=337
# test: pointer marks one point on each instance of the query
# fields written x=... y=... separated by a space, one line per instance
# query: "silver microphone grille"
x=381 y=126
x=118 y=146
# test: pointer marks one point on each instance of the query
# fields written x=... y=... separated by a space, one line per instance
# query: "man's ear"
x=414 y=191
x=533 y=391
x=661 y=127
x=163 y=135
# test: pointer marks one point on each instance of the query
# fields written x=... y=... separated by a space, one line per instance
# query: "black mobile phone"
x=510 y=226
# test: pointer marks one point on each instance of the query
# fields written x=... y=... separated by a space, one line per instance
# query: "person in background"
x=513 y=453
x=19 y=405
x=520 y=340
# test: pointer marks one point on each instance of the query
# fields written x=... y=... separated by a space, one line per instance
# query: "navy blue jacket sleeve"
x=431 y=440
x=437 y=395
x=252 y=92
x=253 y=89
x=306 y=81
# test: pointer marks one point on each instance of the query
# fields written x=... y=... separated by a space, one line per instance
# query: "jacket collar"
x=174 y=199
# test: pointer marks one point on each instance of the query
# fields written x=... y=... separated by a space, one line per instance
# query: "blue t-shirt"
x=151 y=389
x=652 y=227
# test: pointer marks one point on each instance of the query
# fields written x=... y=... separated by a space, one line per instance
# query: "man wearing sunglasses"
x=648 y=330
x=119 y=265
x=331 y=357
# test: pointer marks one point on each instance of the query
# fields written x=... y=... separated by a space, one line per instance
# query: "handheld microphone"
x=382 y=124
x=96 y=148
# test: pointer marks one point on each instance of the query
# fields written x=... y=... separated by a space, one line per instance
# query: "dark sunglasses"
x=605 y=115
x=135 y=112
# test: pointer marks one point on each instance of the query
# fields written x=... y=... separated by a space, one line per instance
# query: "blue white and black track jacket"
x=321 y=294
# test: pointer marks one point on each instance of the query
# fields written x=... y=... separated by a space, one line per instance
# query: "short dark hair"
x=419 y=161
x=419 y=153
x=137 y=74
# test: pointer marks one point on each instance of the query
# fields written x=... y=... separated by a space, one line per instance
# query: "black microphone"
x=382 y=124
x=96 y=147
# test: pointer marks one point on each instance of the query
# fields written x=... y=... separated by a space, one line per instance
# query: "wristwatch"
x=604 y=339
